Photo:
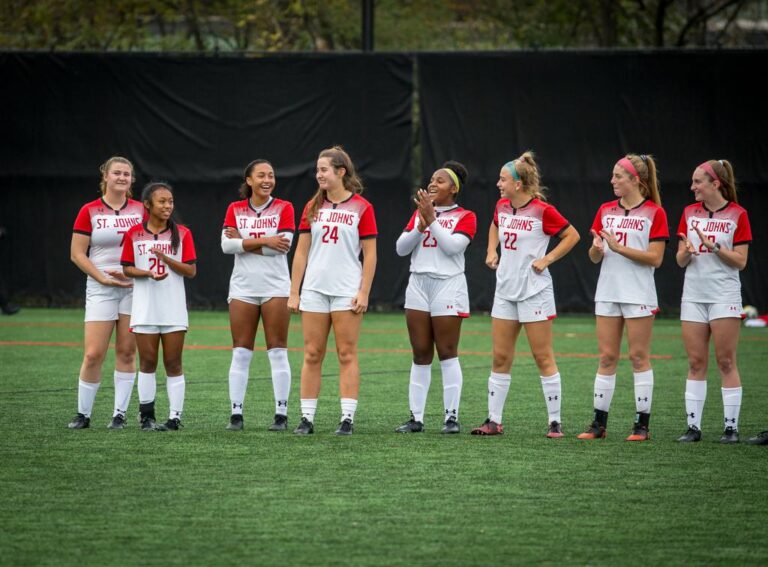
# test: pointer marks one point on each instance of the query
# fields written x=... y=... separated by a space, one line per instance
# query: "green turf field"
x=208 y=496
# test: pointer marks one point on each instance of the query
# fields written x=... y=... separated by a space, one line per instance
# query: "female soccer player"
x=336 y=225
x=629 y=235
x=436 y=299
x=97 y=240
x=523 y=223
x=714 y=241
x=159 y=254
x=259 y=230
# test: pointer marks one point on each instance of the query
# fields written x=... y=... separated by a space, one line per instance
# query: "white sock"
x=348 y=408
x=238 y=377
x=731 y=406
x=421 y=377
x=308 y=409
x=281 y=378
x=123 y=389
x=604 y=387
x=86 y=393
x=695 y=395
x=498 y=387
x=452 y=382
x=147 y=387
x=552 y=395
x=643 y=390
x=176 y=386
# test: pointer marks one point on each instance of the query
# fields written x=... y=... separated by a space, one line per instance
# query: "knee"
x=697 y=365
x=608 y=360
x=502 y=360
x=544 y=360
x=125 y=357
x=726 y=364
x=313 y=355
x=639 y=360
x=172 y=366
x=93 y=359
x=445 y=353
x=148 y=366
x=347 y=355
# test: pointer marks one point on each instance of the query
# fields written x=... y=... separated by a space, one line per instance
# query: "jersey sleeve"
x=287 y=222
x=682 y=227
x=83 y=222
x=366 y=228
x=188 y=255
x=496 y=214
x=411 y=222
x=743 y=234
x=597 y=224
x=467 y=225
x=552 y=222
x=304 y=225
x=127 y=258
x=229 y=219
x=659 y=227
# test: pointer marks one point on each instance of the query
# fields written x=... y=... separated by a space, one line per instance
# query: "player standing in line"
x=97 y=240
x=259 y=231
x=714 y=242
x=629 y=236
x=436 y=299
x=336 y=225
x=523 y=223
x=159 y=254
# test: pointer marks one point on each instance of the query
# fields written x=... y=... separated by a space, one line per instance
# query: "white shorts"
x=157 y=329
x=316 y=302
x=250 y=299
x=438 y=297
x=106 y=302
x=626 y=310
x=538 y=307
x=706 y=312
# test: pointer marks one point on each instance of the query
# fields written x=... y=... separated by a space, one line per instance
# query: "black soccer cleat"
x=235 y=422
x=411 y=426
x=555 y=430
x=280 y=423
x=452 y=426
x=118 y=422
x=759 y=439
x=305 y=427
x=173 y=424
x=693 y=435
x=730 y=436
x=148 y=423
x=345 y=427
x=79 y=422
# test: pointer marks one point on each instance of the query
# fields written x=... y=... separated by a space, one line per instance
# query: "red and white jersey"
x=707 y=278
x=334 y=266
x=428 y=257
x=524 y=235
x=106 y=228
x=255 y=275
x=162 y=302
x=621 y=279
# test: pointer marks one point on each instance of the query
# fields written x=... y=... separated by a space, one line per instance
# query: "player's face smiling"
x=119 y=177
x=441 y=189
x=507 y=184
x=161 y=205
x=704 y=189
x=328 y=178
x=624 y=183
x=261 y=181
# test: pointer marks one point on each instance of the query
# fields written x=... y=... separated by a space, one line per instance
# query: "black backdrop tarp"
x=580 y=112
x=196 y=121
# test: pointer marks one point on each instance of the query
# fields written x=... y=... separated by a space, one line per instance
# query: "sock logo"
x=450 y=412
x=732 y=420
x=550 y=398
x=642 y=399
x=599 y=395
x=282 y=403
x=692 y=415
x=237 y=406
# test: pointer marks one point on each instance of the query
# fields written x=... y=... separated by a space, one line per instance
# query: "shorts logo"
x=449 y=306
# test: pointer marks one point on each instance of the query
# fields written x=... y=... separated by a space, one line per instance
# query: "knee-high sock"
x=604 y=388
x=281 y=378
x=452 y=382
x=86 y=394
x=731 y=406
x=147 y=387
x=552 y=395
x=308 y=408
x=238 y=377
x=498 y=388
x=348 y=409
x=695 y=396
x=643 y=391
x=421 y=377
x=176 y=386
x=123 y=388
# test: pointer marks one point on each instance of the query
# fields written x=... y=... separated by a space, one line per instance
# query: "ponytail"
x=645 y=171
x=724 y=171
x=529 y=175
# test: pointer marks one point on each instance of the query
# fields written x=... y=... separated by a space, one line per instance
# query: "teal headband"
x=510 y=166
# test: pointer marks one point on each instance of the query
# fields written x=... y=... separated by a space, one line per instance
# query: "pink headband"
x=626 y=164
x=710 y=171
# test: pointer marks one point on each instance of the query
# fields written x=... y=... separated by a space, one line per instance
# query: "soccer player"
x=258 y=231
x=629 y=236
x=714 y=241
x=523 y=223
x=97 y=240
x=336 y=225
x=436 y=299
x=158 y=254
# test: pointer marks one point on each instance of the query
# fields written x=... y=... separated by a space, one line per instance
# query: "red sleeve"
x=743 y=234
x=496 y=214
x=287 y=220
x=467 y=225
x=188 y=255
x=83 y=221
x=597 y=224
x=659 y=228
x=229 y=218
x=366 y=228
x=304 y=226
x=552 y=222
x=127 y=258
x=682 y=227
x=412 y=222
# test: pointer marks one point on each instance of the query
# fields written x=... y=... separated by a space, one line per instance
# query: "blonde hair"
x=104 y=169
x=646 y=170
x=724 y=170
x=529 y=175
x=338 y=158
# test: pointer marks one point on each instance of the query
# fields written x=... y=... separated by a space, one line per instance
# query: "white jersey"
x=106 y=228
x=158 y=302
x=623 y=280
x=334 y=266
x=255 y=275
x=524 y=235
x=707 y=278
x=428 y=257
